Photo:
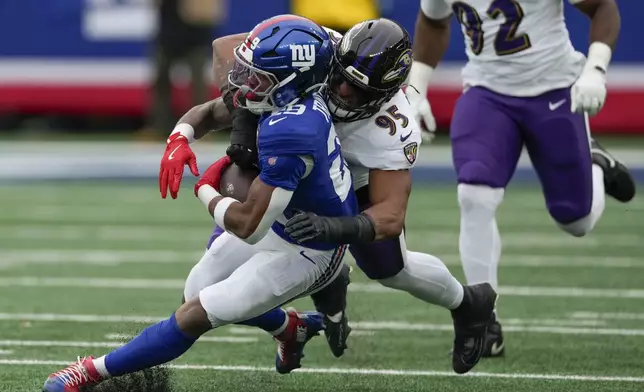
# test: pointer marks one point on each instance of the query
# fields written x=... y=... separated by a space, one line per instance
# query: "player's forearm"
x=431 y=39
x=605 y=20
x=229 y=213
x=388 y=220
x=210 y=116
x=222 y=59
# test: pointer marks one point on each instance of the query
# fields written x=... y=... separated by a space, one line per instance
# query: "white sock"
x=586 y=224
x=479 y=239
x=426 y=277
x=99 y=364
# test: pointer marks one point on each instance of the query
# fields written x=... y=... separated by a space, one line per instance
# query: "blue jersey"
x=299 y=151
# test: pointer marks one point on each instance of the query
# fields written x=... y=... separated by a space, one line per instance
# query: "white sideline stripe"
x=109 y=72
x=208 y=339
x=607 y=316
x=362 y=371
x=116 y=257
x=163 y=284
x=357 y=325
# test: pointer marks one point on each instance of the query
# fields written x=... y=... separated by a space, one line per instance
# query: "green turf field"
x=81 y=265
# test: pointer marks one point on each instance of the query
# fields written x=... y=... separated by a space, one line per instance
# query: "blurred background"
x=132 y=67
x=90 y=89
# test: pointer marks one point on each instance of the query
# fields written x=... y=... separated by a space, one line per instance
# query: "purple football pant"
x=489 y=130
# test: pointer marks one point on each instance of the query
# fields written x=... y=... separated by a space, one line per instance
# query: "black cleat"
x=494 y=345
x=618 y=181
x=337 y=331
x=471 y=321
x=332 y=302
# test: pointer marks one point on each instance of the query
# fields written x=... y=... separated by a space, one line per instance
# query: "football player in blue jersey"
x=254 y=266
x=380 y=138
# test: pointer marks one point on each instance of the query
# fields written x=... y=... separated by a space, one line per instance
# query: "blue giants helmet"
x=282 y=59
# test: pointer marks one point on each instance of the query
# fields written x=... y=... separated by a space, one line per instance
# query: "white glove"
x=422 y=111
x=588 y=93
x=418 y=81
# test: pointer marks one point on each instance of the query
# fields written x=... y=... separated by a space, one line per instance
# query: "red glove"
x=177 y=154
x=212 y=175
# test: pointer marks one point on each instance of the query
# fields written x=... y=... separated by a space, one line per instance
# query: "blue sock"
x=156 y=345
x=269 y=321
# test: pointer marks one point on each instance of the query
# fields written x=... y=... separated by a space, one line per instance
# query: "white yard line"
x=594 y=316
x=107 y=257
x=111 y=344
x=364 y=371
x=6 y=352
x=256 y=331
x=165 y=284
x=207 y=339
x=57 y=343
x=197 y=234
x=514 y=325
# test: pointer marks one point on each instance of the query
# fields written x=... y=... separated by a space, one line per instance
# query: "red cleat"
x=72 y=378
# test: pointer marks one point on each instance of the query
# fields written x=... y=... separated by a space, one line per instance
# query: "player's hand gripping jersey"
x=299 y=151
x=515 y=47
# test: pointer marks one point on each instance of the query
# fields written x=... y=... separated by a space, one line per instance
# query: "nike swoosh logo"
x=403 y=138
x=555 y=105
x=171 y=156
x=496 y=348
x=274 y=121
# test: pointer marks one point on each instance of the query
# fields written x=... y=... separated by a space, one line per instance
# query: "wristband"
x=220 y=211
x=206 y=193
x=599 y=55
x=419 y=76
x=186 y=130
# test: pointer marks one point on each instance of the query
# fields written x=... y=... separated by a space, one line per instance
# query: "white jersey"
x=515 y=47
x=388 y=140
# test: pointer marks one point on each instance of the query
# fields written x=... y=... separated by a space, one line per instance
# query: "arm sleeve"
x=435 y=9
x=282 y=171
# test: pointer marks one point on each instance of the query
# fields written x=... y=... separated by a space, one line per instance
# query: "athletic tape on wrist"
x=186 y=130
x=220 y=210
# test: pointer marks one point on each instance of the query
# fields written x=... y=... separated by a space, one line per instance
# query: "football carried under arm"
x=268 y=196
x=249 y=220
x=588 y=94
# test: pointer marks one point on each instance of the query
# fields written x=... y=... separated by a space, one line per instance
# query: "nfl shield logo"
x=272 y=160
x=411 y=151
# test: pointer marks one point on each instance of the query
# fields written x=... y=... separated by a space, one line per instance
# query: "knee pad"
x=479 y=198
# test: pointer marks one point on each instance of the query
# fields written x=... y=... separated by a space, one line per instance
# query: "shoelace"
x=74 y=374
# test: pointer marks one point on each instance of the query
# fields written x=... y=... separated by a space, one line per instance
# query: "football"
x=236 y=181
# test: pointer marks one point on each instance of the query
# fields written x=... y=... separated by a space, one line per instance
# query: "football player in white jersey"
x=524 y=85
x=380 y=142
